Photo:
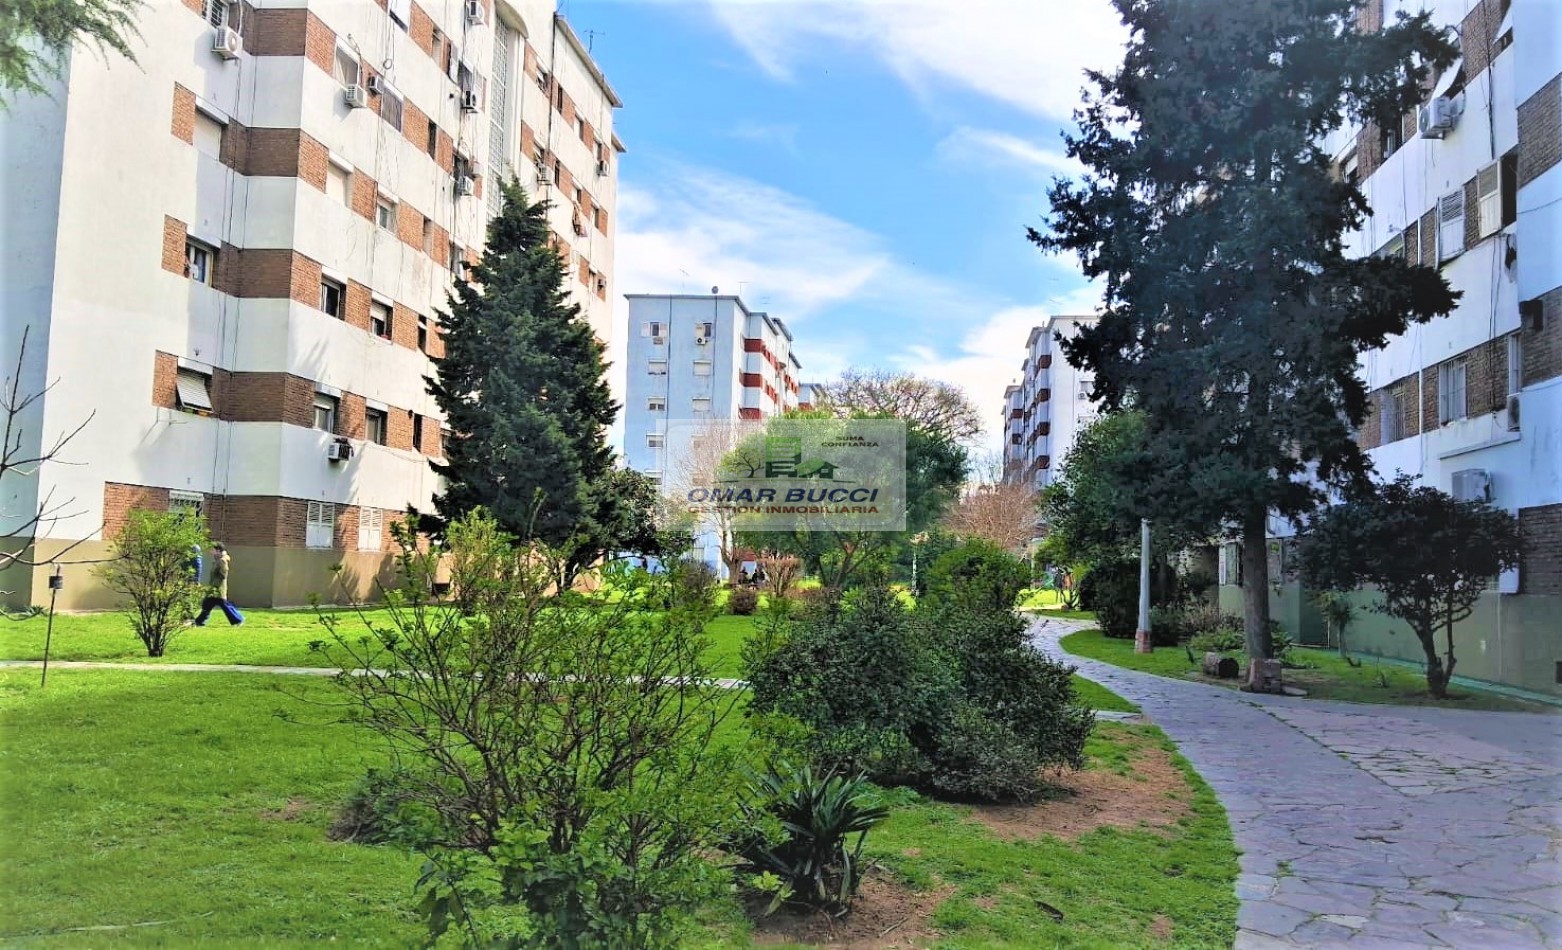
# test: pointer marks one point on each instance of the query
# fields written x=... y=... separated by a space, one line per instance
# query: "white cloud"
x=967 y=144
x=779 y=135
x=1028 y=53
x=851 y=301
x=989 y=355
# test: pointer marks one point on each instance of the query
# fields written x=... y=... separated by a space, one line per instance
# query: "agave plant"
x=814 y=858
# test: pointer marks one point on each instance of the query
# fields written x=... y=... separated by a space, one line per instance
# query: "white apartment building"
x=698 y=358
x=1472 y=402
x=231 y=258
x=1045 y=411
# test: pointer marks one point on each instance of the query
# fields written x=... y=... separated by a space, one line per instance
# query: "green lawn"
x=180 y=801
x=1326 y=676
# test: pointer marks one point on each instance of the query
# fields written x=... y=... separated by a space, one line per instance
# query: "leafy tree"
x=1430 y=558
x=1232 y=316
x=566 y=751
x=629 y=515
x=36 y=37
x=151 y=566
x=978 y=576
x=522 y=387
x=940 y=409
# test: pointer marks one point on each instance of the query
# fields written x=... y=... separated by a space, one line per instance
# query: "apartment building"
x=230 y=260
x=695 y=360
x=1045 y=411
x=1471 y=402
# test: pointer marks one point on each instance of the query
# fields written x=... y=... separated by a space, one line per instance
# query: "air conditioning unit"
x=1513 y=412
x=603 y=167
x=226 y=42
x=542 y=80
x=1472 y=484
x=1438 y=117
x=465 y=184
x=469 y=101
x=339 y=451
x=376 y=85
x=474 y=12
x=544 y=175
x=355 y=96
x=601 y=285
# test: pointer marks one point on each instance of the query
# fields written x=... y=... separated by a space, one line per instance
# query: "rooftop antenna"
x=591 y=37
x=683 y=286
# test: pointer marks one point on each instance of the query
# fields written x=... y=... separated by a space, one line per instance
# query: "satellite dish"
x=715 y=290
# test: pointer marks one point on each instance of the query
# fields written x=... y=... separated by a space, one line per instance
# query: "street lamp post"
x=1142 y=642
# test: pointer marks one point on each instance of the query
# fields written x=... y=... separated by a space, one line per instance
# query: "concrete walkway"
x=1370 y=826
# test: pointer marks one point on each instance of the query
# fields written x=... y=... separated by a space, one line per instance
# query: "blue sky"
x=863 y=169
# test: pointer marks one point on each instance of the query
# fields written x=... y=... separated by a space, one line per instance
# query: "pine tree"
x=522 y=388
x=1232 y=316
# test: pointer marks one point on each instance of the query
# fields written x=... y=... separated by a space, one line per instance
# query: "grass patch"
x=181 y=798
x=1096 y=696
x=1326 y=676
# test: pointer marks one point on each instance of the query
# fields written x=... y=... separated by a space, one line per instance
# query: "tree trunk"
x=1436 y=676
x=1255 y=585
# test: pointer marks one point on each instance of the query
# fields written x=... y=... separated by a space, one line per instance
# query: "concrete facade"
x=263 y=279
x=1045 y=411
x=703 y=359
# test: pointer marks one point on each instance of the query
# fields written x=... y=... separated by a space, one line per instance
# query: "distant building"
x=231 y=256
x=702 y=358
x=1046 y=409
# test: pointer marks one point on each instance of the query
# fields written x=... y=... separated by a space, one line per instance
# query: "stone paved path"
x=1370 y=826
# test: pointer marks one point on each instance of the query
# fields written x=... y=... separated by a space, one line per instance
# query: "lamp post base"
x=1142 y=642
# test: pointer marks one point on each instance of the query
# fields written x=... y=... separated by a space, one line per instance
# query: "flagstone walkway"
x=1370 y=826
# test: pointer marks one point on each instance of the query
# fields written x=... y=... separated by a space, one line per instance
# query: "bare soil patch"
x=1097 y=798
x=885 y=916
x=292 y=811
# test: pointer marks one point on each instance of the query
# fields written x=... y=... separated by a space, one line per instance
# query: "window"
x=417 y=432
x=191 y=504
x=1350 y=169
x=657 y=367
x=198 y=260
x=320 y=525
x=400 y=12
x=331 y=293
x=385 y=213
x=702 y=367
x=216 y=12
x=345 y=68
x=1451 y=392
x=656 y=331
x=375 y=424
x=1488 y=200
x=656 y=404
x=700 y=404
x=1450 y=225
x=1515 y=364
x=208 y=135
x=1394 y=248
x=325 y=412
x=1086 y=384
x=422 y=333
x=428 y=236
x=390 y=105
x=371 y=529
x=1391 y=416
x=1391 y=139
x=433 y=140
x=655 y=440
x=193 y=389
x=380 y=315
x=338 y=183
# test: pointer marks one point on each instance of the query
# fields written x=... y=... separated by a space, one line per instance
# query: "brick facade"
x=350 y=416
x=1540 y=131
x=1476 y=33
x=268 y=397
x=1542 y=349
x=1540 y=566
x=165 y=374
x=183 y=126
x=174 y=236
x=119 y=499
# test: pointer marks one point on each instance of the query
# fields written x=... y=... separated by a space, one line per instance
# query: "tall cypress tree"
x=1232 y=316
x=522 y=387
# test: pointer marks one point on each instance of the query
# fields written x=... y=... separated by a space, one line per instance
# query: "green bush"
x=977 y=575
x=799 y=847
x=383 y=809
x=1111 y=590
x=950 y=698
x=1219 y=640
x=743 y=601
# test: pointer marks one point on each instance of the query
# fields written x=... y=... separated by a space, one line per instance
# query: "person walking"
x=222 y=564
